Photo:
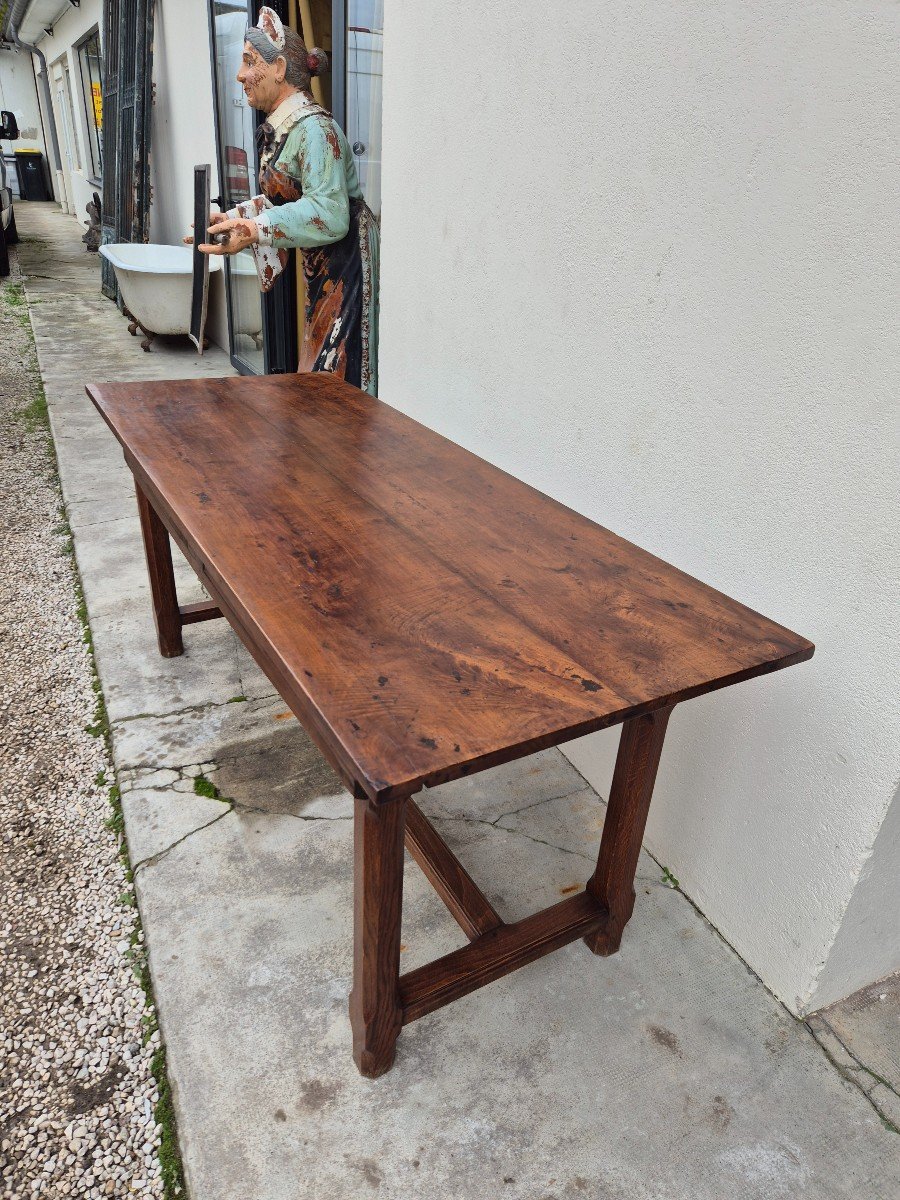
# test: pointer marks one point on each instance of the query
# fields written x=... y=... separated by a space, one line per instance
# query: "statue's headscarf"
x=270 y=40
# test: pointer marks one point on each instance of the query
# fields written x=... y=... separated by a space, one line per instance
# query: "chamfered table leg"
x=623 y=831
x=158 y=549
x=375 y=1012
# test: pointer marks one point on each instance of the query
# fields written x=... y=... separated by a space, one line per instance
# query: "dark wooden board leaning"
x=425 y=616
x=200 y=262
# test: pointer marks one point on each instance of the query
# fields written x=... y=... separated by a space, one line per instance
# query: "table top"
x=425 y=614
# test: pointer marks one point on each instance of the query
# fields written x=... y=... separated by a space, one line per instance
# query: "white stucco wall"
x=183 y=133
x=70 y=29
x=18 y=95
x=870 y=929
x=645 y=257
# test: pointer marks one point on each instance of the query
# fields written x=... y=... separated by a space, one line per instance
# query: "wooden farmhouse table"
x=425 y=616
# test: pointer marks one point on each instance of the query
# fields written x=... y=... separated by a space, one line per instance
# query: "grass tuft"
x=205 y=787
x=169 y=1155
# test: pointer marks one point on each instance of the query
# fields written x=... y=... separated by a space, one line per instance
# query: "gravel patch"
x=78 y=1097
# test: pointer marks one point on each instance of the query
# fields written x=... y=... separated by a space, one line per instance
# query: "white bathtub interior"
x=156 y=283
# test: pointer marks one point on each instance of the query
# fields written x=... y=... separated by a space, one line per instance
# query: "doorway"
x=65 y=126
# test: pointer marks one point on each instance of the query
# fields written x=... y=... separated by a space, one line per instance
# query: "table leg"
x=162 y=578
x=375 y=1012
x=623 y=831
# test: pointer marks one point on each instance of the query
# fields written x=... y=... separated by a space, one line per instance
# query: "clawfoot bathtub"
x=155 y=282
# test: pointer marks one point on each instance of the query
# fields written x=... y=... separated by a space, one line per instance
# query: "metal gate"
x=127 y=103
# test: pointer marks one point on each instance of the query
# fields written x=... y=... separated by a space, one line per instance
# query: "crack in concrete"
x=237 y=667
x=190 y=771
x=265 y=812
x=153 y=859
x=514 y=812
x=845 y=1072
x=240 y=806
x=876 y=1078
x=136 y=786
x=77 y=526
x=175 y=712
x=850 y=1074
x=518 y=832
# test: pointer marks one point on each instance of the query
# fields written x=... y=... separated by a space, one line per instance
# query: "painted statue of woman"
x=311 y=200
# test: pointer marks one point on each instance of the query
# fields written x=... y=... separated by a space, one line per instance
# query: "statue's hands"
x=216 y=218
x=239 y=234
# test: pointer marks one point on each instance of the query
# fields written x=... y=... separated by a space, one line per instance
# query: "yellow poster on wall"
x=97 y=97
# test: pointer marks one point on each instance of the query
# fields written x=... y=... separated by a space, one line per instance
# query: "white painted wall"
x=70 y=29
x=644 y=256
x=18 y=95
x=183 y=133
x=870 y=930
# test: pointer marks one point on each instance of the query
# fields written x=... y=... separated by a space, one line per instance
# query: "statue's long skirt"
x=341 y=333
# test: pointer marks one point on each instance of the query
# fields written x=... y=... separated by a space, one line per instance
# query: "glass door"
x=365 y=38
x=260 y=326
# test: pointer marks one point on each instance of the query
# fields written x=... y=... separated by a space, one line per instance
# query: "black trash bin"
x=32 y=180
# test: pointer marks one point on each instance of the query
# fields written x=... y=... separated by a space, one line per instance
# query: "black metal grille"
x=127 y=96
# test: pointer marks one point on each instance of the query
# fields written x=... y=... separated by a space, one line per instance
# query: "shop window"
x=91 y=64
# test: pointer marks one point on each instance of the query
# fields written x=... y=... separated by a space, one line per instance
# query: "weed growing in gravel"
x=14 y=298
x=115 y=823
x=61 y=531
x=169 y=1155
x=35 y=415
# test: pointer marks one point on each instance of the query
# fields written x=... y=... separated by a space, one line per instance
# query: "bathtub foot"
x=134 y=325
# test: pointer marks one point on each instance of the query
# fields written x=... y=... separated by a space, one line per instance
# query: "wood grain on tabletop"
x=435 y=614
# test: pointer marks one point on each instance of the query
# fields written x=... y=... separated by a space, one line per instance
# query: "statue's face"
x=262 y=82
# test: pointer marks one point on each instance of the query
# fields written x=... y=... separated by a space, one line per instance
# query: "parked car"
x=9 y=130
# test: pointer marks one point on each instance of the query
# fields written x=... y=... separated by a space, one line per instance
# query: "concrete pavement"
x=667 y=1071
